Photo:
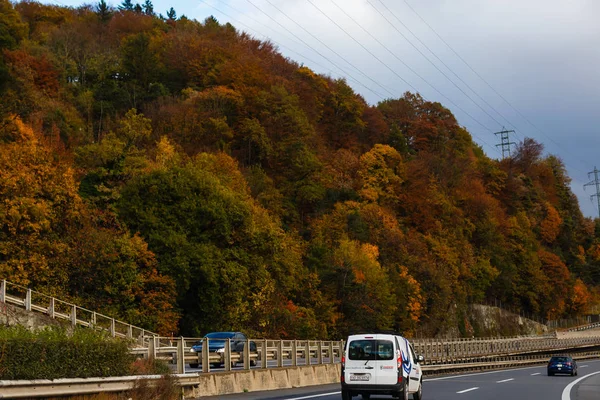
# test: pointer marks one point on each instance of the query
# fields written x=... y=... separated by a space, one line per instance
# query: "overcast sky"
x=539 y=58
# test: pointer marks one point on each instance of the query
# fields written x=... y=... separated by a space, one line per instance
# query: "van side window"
x=412 y=352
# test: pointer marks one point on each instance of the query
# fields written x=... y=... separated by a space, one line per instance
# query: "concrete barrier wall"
x=222 y=383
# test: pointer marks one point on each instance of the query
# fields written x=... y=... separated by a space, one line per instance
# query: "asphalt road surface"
x=530 y=383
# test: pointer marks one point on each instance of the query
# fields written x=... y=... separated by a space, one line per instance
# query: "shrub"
x=52 y=353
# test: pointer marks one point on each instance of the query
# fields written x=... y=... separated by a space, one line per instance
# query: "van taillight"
x=399 y=362
x=343 y=361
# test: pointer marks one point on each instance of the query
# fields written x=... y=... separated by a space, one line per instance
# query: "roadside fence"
x=30 y=300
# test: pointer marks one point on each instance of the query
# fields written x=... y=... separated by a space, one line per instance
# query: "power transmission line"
x=320 y=41
x=361 y=45
x=595 y=183
x=345 y=72
x=406 y=65
x=505 y=142
x=428 y=59
x=448 y=67
x=484 y=80
x=289 y=49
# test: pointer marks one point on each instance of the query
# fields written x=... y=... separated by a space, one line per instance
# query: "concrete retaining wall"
x=222 y=383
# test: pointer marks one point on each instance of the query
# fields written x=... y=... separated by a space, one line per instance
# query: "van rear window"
x=370 y=349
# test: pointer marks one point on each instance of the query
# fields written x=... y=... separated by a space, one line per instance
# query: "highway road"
x=530 y=383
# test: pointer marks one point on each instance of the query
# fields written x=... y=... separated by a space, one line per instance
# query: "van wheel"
x=418 y=395
x=366 y=396
x=346 y=395
x=405 y=394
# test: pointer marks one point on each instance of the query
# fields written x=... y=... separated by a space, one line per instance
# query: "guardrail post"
x=129 y=332
x=331 y=355
x=294 y=353
x=28 y=300
x=51 y=308
x=319 y=352
x=152 y=348
x=307 y=353
x=263 y=355
x=181 y=355
x=280 y=353
x=3 y=291
x=113 y=332
x=94 y=320
x=227 y=354
x=246 y=354
x=74 y=315
x=205 y=356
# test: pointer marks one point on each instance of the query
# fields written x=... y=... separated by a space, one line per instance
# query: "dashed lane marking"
x=537 y=373
x=467 y=390
x=506 y=380
x=314 y=396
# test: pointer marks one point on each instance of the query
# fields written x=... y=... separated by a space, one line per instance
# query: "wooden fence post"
x=3 y=291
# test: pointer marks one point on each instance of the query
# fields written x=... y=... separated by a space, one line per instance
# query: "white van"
x=380 y=364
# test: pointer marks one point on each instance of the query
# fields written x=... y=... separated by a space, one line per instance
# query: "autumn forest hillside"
x=186 y=177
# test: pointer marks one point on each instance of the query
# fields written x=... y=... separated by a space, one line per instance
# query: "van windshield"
x=371 y=349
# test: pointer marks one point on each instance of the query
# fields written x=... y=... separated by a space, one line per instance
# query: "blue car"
x=216 y=344
x=562 y=365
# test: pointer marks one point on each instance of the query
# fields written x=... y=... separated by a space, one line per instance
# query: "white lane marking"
x=537 y=373
x=443 y=378
x=467 y=390
x=313 y=396
x=506 y=380
x=566 y=394
x=583 y=366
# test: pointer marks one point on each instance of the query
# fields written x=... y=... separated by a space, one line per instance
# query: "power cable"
x=486 y=82
x=398 y=58
x=448 y=67
x=320 y=41
x=394 y=72
x=283 y=46
x=429 y=60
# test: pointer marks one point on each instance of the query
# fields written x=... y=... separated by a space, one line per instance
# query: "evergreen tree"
x=171 y=14
x=137 y=8
x=148 y=8
x=103 y=11
x=127 y=5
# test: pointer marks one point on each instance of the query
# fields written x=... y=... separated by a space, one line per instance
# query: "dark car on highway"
x=216 y=344
x=562 y=365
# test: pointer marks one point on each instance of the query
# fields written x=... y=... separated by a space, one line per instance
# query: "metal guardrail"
x=61 y=387
x=443 y=352
x=30 y=300
x=179 y=352
x=586 y=327
x=43 y=388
